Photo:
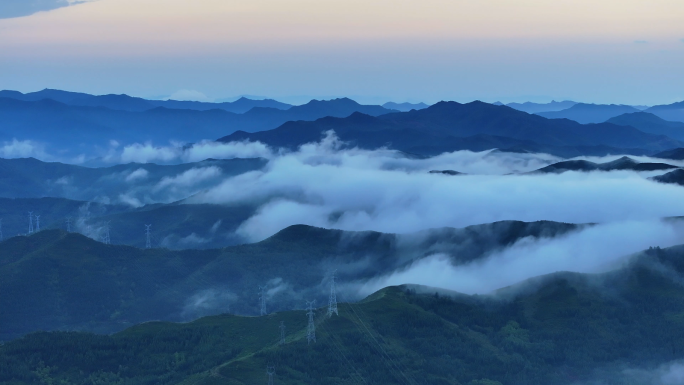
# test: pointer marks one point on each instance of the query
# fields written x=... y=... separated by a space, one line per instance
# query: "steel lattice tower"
x=270 y=370
x=332 y=300
x=148 y=240
x=311 y=327
x=37 y=223
x=30 y=222
x=282 y=333
x=262 y=301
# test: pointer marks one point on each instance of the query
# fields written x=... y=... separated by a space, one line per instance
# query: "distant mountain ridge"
x=451 y=126
x=624 y=163
x=533 y=108
x=403 y=107
x=129 y=103
x=590 y=113
x=84 y=129
x=648 y=122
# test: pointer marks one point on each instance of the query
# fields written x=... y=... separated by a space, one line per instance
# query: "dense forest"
x=563 y=328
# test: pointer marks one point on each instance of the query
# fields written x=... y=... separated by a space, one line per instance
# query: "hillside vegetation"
x=558 y=329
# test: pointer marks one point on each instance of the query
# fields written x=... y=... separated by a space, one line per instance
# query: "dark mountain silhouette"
x=533 y=108
x=450 y=126
x=589 y=113
x=671 y=112
x=65 y=281
x=624 y=163
x=676 y=154
x=446 y=172
x=672 y=177
x=650 y=123
x=130 y=103
x=613 y=328
x=403 y=107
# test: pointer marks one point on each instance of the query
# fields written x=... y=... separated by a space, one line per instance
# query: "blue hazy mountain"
x=130 y=103
x=80 y=129
x=648 y=122
x=450 y=126
x=621 y=164
x=533 y=108
x=590 y=113
x=32 y=178
x=403 y=107
x=672 y=112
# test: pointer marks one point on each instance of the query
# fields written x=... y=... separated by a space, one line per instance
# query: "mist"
x=325 y=185
x=592 y=249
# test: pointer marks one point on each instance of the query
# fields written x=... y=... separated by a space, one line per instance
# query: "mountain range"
x=623 y=163
x=130 y=103
x=477 y=126
x=589 y=113
x=54 y=280
x=89 y=130
x=620 y=327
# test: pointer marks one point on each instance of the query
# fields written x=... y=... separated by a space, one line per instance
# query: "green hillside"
x=558 y=329
x=54 y=280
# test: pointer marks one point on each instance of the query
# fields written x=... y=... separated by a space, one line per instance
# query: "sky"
x=612 y=51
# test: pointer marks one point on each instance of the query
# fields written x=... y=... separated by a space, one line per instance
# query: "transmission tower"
x=262 y=301
x=282 y=331
x=30 y=222
x=68 y=223
x=270 y=370
x=105 y=237
x=37 y=223
x=148 y=241
x=332 y=300
x=311 y=327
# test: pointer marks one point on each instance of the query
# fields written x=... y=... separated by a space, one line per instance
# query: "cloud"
x=177 y=153
x=23 y=149
x=593 y=249
x=671 y=373
x=146 y=153
x=137 y=175
x=385 y=191
x=189 y=95
x=19 y=8
x=208 y=302
x=640 y=42
x=189 y=178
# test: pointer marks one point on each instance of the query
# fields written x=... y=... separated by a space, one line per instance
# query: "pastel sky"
x=607 y=51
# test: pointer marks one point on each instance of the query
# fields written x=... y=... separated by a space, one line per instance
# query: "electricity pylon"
x=270 y=370
x=105 y=238
x=311 y=327
x=37 y=223
x=68 y=223
x=282 y=333
x=30 y=222
x=148 y=240
x=332 y=300
x=262 y=301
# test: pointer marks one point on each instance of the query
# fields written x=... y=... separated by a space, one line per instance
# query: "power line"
x=311 y=327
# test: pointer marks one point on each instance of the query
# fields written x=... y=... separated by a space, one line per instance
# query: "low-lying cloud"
x=352 y=189
x=179 y=153
x=592 y=249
